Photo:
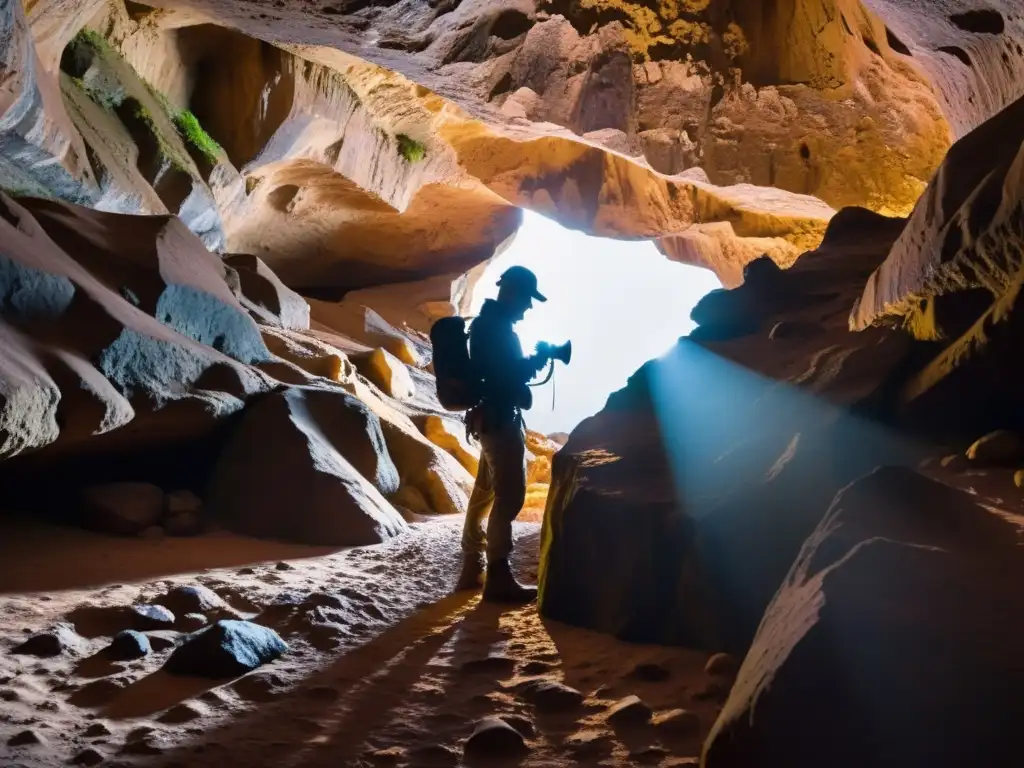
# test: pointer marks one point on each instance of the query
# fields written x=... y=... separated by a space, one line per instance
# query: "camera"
x=561 y=352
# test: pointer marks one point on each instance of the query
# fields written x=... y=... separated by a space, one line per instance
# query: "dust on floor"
x=386 y=665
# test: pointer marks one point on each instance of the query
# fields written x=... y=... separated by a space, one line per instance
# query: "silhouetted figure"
x=500 y=486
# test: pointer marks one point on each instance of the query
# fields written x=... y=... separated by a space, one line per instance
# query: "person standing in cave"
x=497 y=422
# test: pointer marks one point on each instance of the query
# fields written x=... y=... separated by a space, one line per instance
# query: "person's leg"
x=473 y=539
x=507 y=455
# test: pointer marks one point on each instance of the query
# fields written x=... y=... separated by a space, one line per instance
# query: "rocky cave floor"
x=386 y=665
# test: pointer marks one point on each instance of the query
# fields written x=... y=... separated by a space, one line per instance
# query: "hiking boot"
x=501 y=586
x=472 y=575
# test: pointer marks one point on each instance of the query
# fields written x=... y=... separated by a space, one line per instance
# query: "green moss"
x=192 y=132
x=410 y=149
x=94 y=40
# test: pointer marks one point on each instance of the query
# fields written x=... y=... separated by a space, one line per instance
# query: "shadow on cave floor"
x=408 y=688
x=39 y=556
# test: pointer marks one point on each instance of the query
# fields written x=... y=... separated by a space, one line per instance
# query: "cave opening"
x=620 y=302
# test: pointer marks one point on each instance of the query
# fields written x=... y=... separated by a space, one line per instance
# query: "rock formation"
x=226 y=228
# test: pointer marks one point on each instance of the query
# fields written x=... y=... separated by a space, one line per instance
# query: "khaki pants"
x=500 y=487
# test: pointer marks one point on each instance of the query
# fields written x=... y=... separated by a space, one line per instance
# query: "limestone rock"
x=192 y=598
x=493 y=737
x=128 y=644
x=123 y=508
x=551 y=696
x=226 y=649
x=946 y=565
x=629 y=711
x=268 y=299
x=451 y=436
x=323 y=481
x=699 y=503
x=387 y=372
x=24 y=738
x=61 y=639
x=146 y=617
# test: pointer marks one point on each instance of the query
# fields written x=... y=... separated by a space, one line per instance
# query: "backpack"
x=458 y=385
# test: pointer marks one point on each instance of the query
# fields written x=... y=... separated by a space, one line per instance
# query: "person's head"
x=517 y=288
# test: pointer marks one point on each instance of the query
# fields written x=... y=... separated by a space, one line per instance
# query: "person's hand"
x=544 y=350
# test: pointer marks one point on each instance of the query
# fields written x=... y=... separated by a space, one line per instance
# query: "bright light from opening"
x=620 y=302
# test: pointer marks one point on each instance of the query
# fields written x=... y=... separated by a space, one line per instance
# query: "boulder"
x=675 y=513
x=192 y=598
x=226 y=649
x=123 y=508
x=307 y=465
x=387 y=372
x=629 y=711
x=146 y=617
x=54 y=642
x=127 y=645
x=494 y=738
x=894 y=640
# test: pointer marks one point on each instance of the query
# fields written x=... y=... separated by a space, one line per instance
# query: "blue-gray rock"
x=62 y=638
x=229 y=648
x=151 y=617
x=192 y=598
x=128 y=644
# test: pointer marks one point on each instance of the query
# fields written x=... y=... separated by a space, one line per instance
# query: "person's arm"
x=500 y=360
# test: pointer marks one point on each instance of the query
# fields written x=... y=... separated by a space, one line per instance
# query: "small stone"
x=551 y=696
x=722 y=664
x=192 y=598
x=24 y=738
x=128 y=644
x=151 y=617
x=191 y=622
x=247 y=571
x=651 y=673
x=96 y=730
x=61 y=639
x=283 y=566
x=678 y=721
x=493 y=664
x=493 y=737
x=590 y=742
x=536 y=668
x=629 y=711
x=229 y=648
x=90 y=756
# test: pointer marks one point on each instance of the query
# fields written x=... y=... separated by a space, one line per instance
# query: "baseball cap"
x=523 y=279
